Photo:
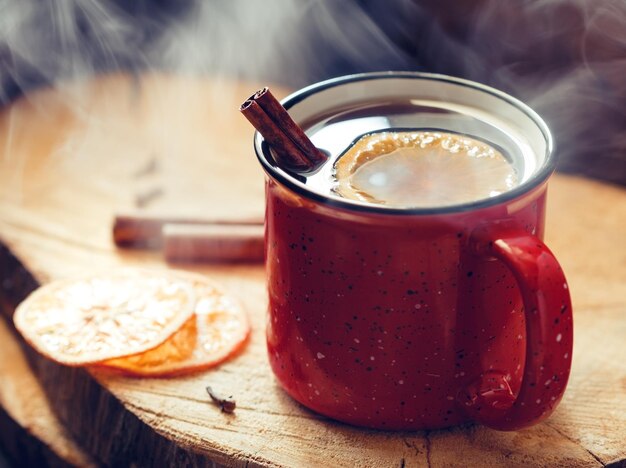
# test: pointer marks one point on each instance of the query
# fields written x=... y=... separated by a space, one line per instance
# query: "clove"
x=226 y=404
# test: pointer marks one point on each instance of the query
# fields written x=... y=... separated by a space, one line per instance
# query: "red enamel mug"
x=423 y=318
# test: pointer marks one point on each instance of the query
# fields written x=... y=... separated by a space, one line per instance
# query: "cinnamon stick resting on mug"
x=292 y=147
x=213 y=243
x=139 y=230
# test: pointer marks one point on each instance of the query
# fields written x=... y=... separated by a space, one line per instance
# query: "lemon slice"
x=422 y=169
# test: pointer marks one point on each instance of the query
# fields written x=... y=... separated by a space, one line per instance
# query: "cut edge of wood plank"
x=31 y=434
x=23 y=448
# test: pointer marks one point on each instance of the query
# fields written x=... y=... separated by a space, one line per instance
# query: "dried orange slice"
x=218 y=330
x=78 y=322
x=422 y=169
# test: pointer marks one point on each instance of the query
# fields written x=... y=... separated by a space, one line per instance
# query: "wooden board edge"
x=30 y=435
x=25 y=449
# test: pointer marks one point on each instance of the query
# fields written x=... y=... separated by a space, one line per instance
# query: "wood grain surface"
x=75 y=155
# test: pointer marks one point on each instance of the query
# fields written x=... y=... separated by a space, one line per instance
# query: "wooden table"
x=73 y=156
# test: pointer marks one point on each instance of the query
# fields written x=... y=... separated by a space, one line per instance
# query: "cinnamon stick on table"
x=213 y=243
x=294 y=150
x=139 y=230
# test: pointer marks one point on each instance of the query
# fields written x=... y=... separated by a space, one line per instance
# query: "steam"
x=566 y=58
x=289 y=42
x=51 y=41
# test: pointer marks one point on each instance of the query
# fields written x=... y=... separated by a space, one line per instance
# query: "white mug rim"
x=291 y=182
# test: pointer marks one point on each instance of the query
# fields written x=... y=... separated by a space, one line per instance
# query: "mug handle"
x=549 y=332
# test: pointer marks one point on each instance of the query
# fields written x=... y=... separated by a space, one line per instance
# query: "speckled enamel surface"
x=410 y=322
